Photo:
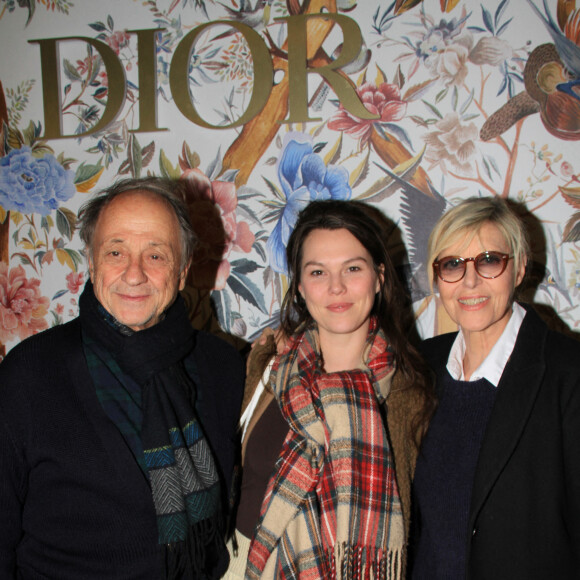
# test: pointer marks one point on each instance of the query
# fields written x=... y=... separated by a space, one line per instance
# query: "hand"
x=280 y=338
x=263 y=338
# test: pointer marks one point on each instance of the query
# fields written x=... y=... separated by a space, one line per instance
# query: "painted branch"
x=257 y=134
x=393 y=153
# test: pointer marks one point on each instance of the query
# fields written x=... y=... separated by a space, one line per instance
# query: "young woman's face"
x=338 y=282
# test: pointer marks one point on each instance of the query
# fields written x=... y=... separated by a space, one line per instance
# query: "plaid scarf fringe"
x=363 y=563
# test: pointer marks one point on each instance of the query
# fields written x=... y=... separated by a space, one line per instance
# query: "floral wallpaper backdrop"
x=460 y=98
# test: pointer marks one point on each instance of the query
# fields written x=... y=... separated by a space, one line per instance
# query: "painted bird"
x=419 y=213
x=567 y=49
x=256 y=17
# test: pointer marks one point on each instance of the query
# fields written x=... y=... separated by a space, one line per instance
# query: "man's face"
x=136 y=258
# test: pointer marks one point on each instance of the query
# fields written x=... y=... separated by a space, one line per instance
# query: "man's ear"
x=183 y=275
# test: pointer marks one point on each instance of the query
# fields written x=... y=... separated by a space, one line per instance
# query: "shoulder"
x=404 y=394
x=564 y=348
x=562 y=364
x=559 y=350
x=405 y=402
x=436 y=350
x=219 y=363
x=39 y=368
x=216 y=348
x=30 y=355
x=549 y=360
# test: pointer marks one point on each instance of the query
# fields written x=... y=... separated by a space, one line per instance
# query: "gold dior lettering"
x=298 y=69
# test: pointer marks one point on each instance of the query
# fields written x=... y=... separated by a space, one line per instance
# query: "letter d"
x=51 y=86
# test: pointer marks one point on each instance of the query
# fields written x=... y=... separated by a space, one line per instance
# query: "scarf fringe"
x=346 y=562
x=198 y=555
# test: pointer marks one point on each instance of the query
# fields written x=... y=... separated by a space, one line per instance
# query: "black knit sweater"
x=74 y=504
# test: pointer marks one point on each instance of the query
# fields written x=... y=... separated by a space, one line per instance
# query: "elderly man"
x=117 y=429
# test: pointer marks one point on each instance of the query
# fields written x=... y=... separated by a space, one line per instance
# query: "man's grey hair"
x=171 y=191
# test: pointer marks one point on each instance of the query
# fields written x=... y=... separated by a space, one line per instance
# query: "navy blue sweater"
x=444 y=477
x=74 y=504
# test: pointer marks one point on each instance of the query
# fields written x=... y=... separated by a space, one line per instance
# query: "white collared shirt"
x=494 y=364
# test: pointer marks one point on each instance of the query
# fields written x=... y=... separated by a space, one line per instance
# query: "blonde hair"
x=466 y=219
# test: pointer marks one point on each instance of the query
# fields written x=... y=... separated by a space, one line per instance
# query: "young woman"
x=331 y=433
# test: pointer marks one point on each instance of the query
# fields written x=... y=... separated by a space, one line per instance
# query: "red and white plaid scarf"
x=332 y=508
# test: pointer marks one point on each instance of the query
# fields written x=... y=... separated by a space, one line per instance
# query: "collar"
x=112 y=321
x=493 y=365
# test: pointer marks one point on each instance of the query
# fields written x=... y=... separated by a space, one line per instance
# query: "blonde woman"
x=497 y=483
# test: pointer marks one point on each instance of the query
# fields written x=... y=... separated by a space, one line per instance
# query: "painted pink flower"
x=103 y=79
x=384 y=100
x=74 y=281
x=566 y=169
x=118 y=40
x=22 y=308
x=59 y=309
x=83 y=66
x=212 y=208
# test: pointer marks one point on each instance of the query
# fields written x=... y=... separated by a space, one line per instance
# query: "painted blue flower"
x=32 y=185
x=304 y=178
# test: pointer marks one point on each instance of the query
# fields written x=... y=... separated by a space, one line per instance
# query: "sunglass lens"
x=451 y=269
x=489 y=264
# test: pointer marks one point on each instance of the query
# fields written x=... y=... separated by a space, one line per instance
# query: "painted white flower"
x=491 y=50
x=451 y=145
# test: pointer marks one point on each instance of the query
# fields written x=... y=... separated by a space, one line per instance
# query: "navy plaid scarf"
x=146 y=382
